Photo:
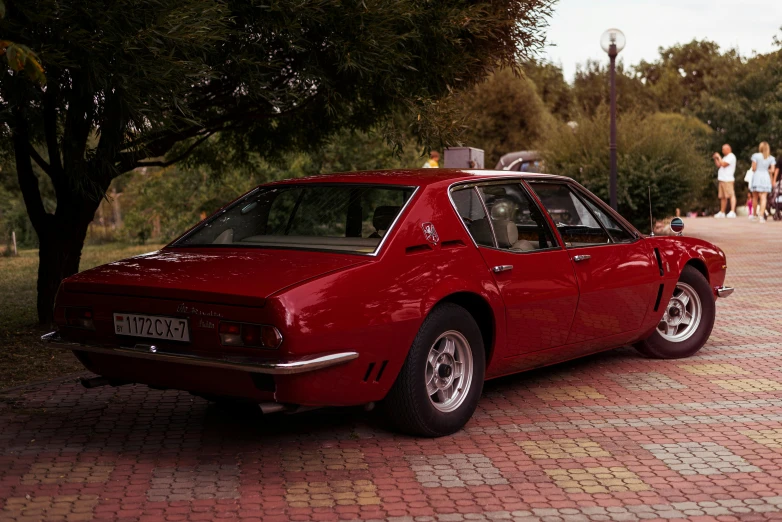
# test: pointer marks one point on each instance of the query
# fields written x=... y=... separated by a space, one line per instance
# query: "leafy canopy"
x=146 y=78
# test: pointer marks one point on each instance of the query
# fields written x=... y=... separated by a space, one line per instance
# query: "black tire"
x=408 y=406
x=656 y=346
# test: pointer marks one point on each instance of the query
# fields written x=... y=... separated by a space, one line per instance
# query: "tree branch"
x=182 y=156
x=41 y=162
x=50 y=129
x=28 y=183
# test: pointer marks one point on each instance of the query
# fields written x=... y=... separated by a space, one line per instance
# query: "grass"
x=23 y=357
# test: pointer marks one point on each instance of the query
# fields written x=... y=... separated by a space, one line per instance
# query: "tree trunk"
x=61 y=243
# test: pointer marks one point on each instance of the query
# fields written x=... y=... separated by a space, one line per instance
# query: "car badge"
x=430 y=233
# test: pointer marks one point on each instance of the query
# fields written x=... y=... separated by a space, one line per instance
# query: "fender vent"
x=456 y=243
x=659 y=262
x=417 y=249
x=380 y=371
x=369 y=371
x=368 y=374
x=659 y=297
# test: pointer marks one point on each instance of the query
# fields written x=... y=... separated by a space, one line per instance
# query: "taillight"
x=246 y=334
x=79 y=317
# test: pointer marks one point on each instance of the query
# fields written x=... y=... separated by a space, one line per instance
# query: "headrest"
x=506 y=231
x=481 y=233
x=384 y=216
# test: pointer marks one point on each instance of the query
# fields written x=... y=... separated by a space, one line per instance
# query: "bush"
x=504 y=114
x=665 y=152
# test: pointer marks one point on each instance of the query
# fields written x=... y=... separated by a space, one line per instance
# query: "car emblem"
x=430 y=233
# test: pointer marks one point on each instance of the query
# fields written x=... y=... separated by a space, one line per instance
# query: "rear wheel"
x=440 y=384
x=687 y=321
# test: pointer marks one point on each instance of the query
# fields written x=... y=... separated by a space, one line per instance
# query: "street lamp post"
x=612 y=42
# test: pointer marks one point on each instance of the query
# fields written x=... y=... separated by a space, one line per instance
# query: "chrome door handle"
x=578 y=259
x=501 y=268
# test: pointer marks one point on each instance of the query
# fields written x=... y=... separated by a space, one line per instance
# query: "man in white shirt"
x=727 y=169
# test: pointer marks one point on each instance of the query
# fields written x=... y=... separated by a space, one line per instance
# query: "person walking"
x=725 y=177
x=763 y=165
x=433 y=162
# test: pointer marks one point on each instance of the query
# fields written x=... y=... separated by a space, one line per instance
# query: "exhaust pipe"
x=272 y=407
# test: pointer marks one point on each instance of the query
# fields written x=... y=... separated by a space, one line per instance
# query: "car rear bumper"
x=251 y=365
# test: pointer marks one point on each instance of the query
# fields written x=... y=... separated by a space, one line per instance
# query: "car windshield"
x=345 y=218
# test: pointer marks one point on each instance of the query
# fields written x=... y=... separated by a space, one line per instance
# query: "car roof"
x=414 y=177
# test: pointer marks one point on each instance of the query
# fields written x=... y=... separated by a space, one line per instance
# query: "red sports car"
x=406 y=287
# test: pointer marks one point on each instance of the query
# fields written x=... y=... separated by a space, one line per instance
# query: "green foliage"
x=504 y=114
x=747 y=109
x=683 y=73
x=20 y=57
x=160 y=204
x=666 y=152
x=552 y=87
x=591 y=90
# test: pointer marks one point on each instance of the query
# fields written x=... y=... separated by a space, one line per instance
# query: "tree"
x=505 y=114
x=683 y=73
x=591 y=90
x=552 y=87
x=747 y=109
x=135 y=83
x=662 y=152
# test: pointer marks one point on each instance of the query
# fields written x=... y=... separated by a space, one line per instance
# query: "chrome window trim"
x=473 y=185
x=487 y=216
x=375 y=253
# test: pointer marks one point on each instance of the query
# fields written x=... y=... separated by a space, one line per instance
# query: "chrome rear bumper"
x=246 y=364
x=724 y=291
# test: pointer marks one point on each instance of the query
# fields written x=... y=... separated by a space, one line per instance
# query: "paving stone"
x=567 y=393
x=749 y=385
x=701 y=458
x=194 y=482
x=714 y=369
x=456 y=470
x=646 y=381
x=597 y=480
x=562 y=449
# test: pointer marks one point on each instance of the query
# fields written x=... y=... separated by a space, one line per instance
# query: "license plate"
x=152 y=326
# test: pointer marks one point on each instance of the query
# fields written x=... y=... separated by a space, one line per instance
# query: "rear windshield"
x=342 y=218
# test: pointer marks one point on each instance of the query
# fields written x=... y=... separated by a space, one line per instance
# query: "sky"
x=576 y=26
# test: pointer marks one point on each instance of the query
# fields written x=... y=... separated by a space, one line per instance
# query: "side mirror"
x=677 y=226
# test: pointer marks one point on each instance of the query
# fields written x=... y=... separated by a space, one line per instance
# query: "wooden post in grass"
x=13 y=240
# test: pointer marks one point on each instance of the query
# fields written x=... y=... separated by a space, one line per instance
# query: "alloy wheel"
x=449 y=369
x=682 y=315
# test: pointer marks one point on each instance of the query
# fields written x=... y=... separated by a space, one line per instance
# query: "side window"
x=518 y=223
x=573 y=220
x=470 y=209
x=618 y=233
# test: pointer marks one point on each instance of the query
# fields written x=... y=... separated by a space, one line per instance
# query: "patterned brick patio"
x=612 y=437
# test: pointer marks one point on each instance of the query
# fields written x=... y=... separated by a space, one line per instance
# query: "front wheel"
x=687 y=321
x=440 y=384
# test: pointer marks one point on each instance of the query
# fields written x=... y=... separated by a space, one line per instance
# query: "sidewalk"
x=610 y=437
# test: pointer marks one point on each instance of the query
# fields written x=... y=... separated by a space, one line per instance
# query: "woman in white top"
x=763 y=164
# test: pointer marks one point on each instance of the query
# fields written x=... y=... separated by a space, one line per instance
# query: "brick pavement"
x=610 y=437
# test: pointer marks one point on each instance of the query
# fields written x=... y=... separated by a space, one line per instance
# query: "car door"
x=616 y=273
x=532 y=271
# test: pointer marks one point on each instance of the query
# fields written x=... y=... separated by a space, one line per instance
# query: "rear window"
x=342 y=218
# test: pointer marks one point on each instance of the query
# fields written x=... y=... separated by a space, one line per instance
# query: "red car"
x=406 y=287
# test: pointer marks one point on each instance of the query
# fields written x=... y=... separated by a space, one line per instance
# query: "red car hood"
x=218 y=275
